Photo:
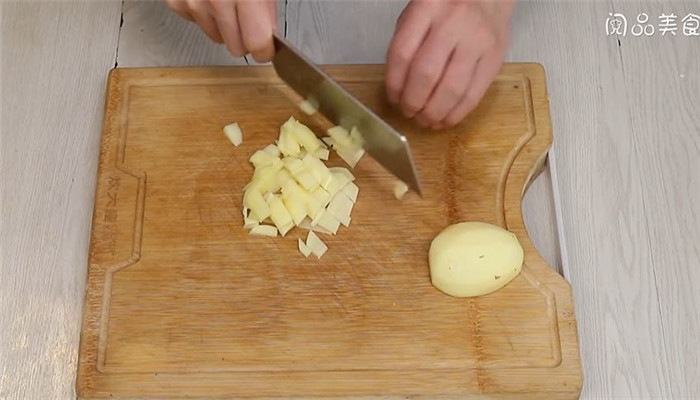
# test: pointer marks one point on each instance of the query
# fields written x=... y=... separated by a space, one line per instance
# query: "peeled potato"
x=472 y=259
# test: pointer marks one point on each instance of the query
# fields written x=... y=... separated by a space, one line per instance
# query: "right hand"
x=245 y=26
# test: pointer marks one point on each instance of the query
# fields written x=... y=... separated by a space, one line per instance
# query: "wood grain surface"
x=661 y=85
x=183 y=302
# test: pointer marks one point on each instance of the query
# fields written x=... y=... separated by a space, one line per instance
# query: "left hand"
x=444 y=56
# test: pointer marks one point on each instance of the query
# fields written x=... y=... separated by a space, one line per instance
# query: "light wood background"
x=625 y=171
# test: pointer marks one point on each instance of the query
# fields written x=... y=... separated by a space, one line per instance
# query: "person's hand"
x=444 y=56
x=245 y=26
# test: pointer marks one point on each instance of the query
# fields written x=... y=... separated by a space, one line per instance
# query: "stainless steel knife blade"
x=381 y=141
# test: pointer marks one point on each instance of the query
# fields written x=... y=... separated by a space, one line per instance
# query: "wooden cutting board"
x=182 y=302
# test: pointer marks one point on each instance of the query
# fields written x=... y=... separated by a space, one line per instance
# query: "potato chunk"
x=471 y=259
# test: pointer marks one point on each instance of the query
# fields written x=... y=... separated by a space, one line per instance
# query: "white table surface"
x=626 y=172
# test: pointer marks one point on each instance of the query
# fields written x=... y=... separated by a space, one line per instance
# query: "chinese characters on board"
x=666 y=24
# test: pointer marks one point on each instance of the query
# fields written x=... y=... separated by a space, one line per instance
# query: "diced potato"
x=293 y=164
x=471 y=259
x=255 y=217
x=356 y=137
x=304 y=249
x=274 y=185
x=327 y=180
x=298 y=189
x=343 y=171
x=264 y=230
x=296 y=207
x=329 y=222
x=345 y=221
x=306 y=224
x=351 y=190
x=305 y=136
x=306 y=179
x=348 y=145
x=351 y=155
x=265 y=179
x=311 y=162
x=233 y=133
x=293 y=193
x=261 y=159
x=400 y=190
x=314 y=205
x=318 y=217
x=249 y=223
x=287 y=228
x=291 y=189
x=317 y=168
x=288 y=144
x=318 y=248
x=279 y=215
x=337 y=183
x=309 y=106
x=266 y=172
x=282 y=177
x=272 y=150
x=255 y=201
x=322 y=154
x=340 y=136
x=321 y=196
x=257 y=184
x=341 y=208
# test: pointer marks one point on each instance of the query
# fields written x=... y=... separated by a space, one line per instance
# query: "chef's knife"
x=380 y=140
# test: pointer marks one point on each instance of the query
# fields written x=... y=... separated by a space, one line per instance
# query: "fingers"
x=180 y=7
x=245 y=26
x=451 y=88
x=227 y=23
x=256 y=28
x=486 y=70
x=201 y=13
x=411 y=30
x=426 y=70
x=443 y=57
x=272 y=9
